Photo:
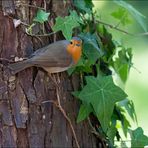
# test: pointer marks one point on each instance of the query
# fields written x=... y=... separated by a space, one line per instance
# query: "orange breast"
x=76 y=54
x=75 y=51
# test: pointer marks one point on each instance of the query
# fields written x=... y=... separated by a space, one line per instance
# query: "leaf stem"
x=96 y=133
x=114 y=27
x=61 y=108
x=118 y=24
x=40 y=35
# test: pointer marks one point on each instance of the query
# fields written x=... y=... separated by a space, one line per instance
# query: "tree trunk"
x=30 y=115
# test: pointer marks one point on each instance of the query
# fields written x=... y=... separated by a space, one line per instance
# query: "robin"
x=54 y=58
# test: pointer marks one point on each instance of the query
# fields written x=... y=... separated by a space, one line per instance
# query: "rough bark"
x=28 y=117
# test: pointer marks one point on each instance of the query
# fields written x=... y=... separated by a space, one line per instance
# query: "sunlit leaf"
x=123 y=63
x=129 y=106
x=111 y=133
x=125 y=125
x=119 y=115
x=134 y=12
x=122 y=15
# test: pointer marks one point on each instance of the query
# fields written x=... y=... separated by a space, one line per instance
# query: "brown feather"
x=51 y=57
x=19 y=66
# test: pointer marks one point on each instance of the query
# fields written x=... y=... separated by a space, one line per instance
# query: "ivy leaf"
x=75 y=16
x=91 y=53
x=129 y=106
x=119 y=114
x=123 y=63
x=125 y=125
x=121 y=69
x=84 y=112
x=107 y=41
x=122 y=15
x=111 y=133
x=76 y=93
x=138 y=138
x=73 y=68
x=41 y=16
x=90 y=39
x=134 y=12
x=83 y=65
x=66 y=25
x=85 y=6
x=90 y=42
x=102 y=94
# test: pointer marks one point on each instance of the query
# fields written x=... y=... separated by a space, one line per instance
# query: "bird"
x=53 y=58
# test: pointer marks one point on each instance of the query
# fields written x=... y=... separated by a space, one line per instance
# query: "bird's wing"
x=53 y=55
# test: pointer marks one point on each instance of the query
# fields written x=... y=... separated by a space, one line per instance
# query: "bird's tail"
x=19 y=66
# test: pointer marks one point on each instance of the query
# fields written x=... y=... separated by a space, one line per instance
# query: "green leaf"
x=90 y=47
x=138 y=139
x=89 y=3
x=91 y=53
x=102 y=94
x=76 y=93
x=71 y=70
x=29 y=29
x=122 y=69
x=111 y=133
x=107 y=42
x=75 y=16
x=123 y=63
x=85 y=6
x=125 y=124
x=122 y=15
x=90 y=39
x=83 y=65
x=129 y=106
x=41 y=16
x=134 y=12
x=84 y=112
x=119 y=114
x=66 y=25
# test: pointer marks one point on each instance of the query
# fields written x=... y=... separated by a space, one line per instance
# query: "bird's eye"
x=78 y=45
x=71 y=42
